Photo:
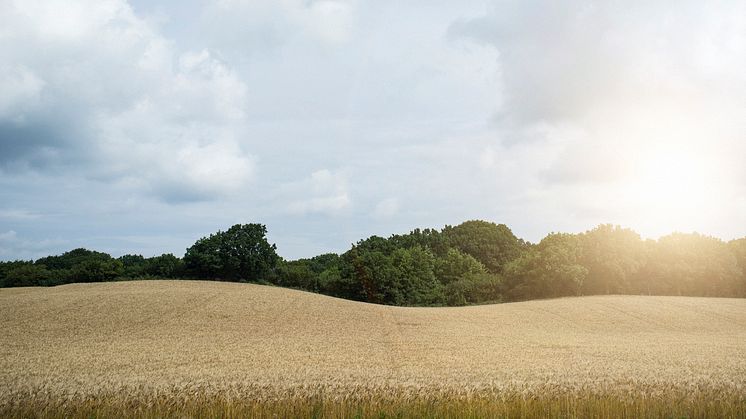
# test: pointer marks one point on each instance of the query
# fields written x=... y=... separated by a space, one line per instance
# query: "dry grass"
x=162 y=348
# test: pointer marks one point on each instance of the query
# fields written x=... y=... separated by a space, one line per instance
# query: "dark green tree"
x=296 y=274
x=81 y=265
x=133 y=266
x=95 y=270
x=415 y=271
x=474 y=289
x=428 y=238
x=6 y=266
x=71 y=258
x=550 y=269
x=494 y=245
x=164 y=266
x=240 y=253
x=26 y=275
x=456 y=265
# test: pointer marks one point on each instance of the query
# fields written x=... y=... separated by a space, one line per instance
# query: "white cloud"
x=21 y=91
x=146 y=115
x=12 y=246
x=61 y=20
x=322 y=192
x=536 y=114
x=604 y=86
x=330 y=21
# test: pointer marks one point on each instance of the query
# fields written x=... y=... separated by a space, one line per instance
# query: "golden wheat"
x=164 y=344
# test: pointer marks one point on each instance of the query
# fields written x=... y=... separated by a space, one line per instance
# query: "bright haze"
x=140 y=126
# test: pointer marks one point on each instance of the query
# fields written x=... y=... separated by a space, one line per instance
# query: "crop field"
x=192 y=348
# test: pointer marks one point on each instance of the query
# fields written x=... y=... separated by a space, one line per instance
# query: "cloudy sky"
x=139 y=126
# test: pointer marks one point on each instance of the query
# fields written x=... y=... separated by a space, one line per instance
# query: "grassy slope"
x=249 y=341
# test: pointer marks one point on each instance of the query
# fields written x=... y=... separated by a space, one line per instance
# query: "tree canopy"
x=240 y=253
x=471 y=263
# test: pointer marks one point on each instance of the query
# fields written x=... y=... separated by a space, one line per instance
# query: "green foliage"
x=164 y=266
x=95 y=270
x=7 y=266
x=78 y=265
x=385 y=274
x=474 y=289
x=550 y=269
x=240 y=253
x=691 y=264
x=456 y=266
x=331 y=282
x=296 y=274
x=494 y=245
x=72 y=258
x=26 y=274
x=613 y=256
x=472 y=263
x=378 y=279
x=428 y=238
x=415 y=269
x=318 y=274
x=133 y=266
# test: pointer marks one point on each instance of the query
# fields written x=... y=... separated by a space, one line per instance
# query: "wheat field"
x=197 y=348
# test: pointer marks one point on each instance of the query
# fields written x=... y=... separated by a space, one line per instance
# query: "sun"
x=673 y=188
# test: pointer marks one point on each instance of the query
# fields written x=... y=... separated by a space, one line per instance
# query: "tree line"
x=471 y=263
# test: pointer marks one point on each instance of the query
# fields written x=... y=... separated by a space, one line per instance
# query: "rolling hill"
x=154 y=338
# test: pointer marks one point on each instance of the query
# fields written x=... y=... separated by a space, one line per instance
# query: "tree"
x=691 y=264
x=331 y=282
x=428 y=238
x=164 y=266
x=457 y=265
x=550 y=269
x=384 y=274
x=95 y=270
x=71 y=258
x=240 y=253
x=415 y=270
x=738 y=248
x=474 y=289
x=26 y=275
x=7 y=266
x=296 y=274
x=81 y=265
x=613 y=257
x=494 y=245
x=133 y=265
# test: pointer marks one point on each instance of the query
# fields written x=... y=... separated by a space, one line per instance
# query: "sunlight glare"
x=673 y=188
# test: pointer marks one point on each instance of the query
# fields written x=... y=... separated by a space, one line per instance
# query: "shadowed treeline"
x=474 y=262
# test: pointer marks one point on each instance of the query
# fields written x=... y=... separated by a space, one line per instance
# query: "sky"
x=140 y=126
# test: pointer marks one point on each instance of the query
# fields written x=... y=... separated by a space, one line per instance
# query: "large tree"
x=691 y=264
x=494 y=245
x=613 y=257
x=456 y=265
x=25 y=274
x=240 y=253
x=550 y=269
